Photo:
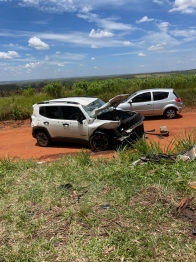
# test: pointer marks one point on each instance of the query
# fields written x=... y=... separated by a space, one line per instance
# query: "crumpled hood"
x=113 y=102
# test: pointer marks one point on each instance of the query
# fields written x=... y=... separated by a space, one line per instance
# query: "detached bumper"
x=132 y=134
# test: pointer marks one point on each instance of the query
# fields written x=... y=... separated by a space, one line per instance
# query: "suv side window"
x=71 y=112
x=49 y=111
x=160 y=95
x=145 y=97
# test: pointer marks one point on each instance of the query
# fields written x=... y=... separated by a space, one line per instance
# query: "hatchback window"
x=71 y=112
x=145 y=97
x=160 y=95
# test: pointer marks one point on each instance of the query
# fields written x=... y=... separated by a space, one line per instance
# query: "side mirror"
x=130 y=102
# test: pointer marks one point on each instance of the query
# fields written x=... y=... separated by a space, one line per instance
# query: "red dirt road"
x=16 y=140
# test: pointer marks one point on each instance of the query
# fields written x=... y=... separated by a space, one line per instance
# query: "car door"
x=71 y=126
x=51 y=120
x=160 y=101
x=142 y=103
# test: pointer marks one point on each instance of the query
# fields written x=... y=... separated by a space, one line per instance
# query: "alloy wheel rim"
x=100 y=142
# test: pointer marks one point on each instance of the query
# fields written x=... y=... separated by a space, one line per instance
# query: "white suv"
x=85 y=119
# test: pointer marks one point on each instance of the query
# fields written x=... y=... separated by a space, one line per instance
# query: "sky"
x=46 y=39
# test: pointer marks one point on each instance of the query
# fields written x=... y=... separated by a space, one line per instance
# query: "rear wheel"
x=42 y=138
x=170 y=113
x=100 y=142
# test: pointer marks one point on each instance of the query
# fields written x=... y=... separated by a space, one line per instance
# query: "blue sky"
x=41 y=39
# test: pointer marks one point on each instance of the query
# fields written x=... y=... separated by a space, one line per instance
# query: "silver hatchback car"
x=153 y=102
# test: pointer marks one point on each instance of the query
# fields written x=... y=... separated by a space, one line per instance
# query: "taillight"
x=178 y=99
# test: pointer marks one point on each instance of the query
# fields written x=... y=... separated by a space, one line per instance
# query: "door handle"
x=46 y=123
x=65 y=124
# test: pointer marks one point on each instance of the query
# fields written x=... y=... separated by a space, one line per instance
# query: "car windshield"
x=90 y=109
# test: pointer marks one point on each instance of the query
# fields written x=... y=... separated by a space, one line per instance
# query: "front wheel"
x=42 y=138
x=170 y=113
x=100 y=142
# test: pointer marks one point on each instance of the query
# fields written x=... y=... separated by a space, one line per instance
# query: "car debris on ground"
x=189 y=154
x=163 y=132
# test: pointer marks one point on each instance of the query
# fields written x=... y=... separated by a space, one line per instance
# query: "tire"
x=170 y=113
x=100 y=142
x=42 y=138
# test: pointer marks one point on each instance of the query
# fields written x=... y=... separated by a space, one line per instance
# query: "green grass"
x=18 y=107
x=111 y=211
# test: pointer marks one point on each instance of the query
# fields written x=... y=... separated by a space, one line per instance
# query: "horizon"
x=99 y=76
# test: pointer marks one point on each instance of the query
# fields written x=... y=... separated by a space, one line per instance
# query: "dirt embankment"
x=16 y=140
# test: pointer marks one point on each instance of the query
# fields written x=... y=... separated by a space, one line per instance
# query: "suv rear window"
x=160 y=95
x=49 y=111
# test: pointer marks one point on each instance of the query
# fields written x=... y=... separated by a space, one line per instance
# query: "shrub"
x=29 y=92
x=54 y=90
x=14 y=111
x=81 y=88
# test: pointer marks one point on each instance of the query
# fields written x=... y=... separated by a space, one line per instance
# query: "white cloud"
x=52 y=6
x=33 y=65
x=127 y=43
x=184 y=6
x=64 y=56
x=107 y=23
x=157 y=47
x=141 y=54
x=188 y=35
x=13 y=45
x=37 y=43
x=92 y=58
x=158 y=2
x=47 y=58
x=100 y=33
x=60 y=6
x=144 y=19
x=16 y=46
x=8 y=55
x=163 y=26
x=94 y=46
x=184 y=33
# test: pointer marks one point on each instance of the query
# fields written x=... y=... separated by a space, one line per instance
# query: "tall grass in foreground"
x=83 y=209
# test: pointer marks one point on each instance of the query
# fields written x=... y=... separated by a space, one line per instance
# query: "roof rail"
x=56 y=102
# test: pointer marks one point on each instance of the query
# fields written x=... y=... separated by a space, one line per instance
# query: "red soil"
x=16 y=140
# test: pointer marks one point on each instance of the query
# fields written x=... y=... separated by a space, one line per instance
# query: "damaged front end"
x=130 y=126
